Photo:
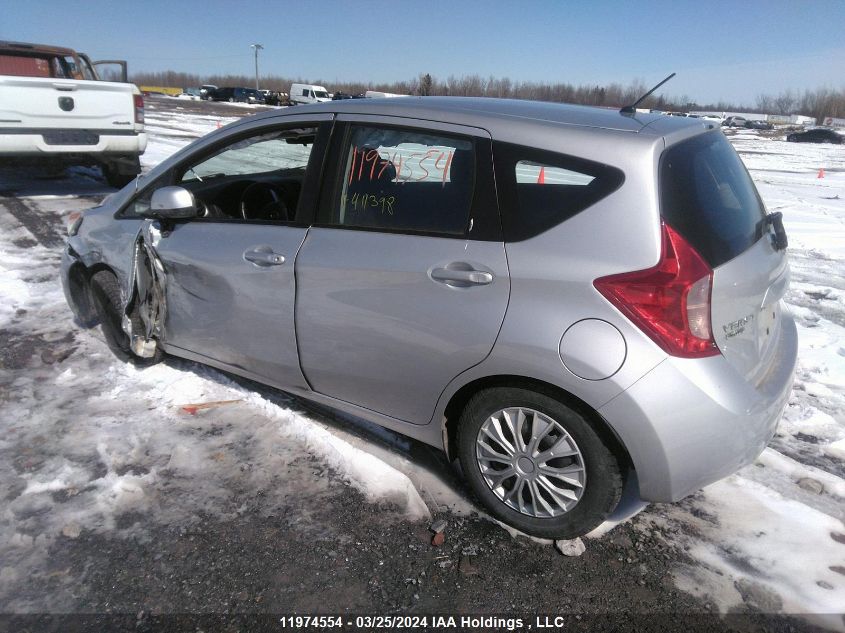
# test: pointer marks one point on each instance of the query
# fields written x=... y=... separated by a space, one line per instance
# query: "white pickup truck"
x=54 y=108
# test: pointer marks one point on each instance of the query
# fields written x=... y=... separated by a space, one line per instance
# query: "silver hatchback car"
x=572 y=301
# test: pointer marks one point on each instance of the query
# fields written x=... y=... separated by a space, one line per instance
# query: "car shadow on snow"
x=52 y=180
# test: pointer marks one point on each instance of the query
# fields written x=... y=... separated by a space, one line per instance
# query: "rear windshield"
x=707 y=195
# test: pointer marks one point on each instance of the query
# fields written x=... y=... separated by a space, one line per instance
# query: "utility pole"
x=257 y=48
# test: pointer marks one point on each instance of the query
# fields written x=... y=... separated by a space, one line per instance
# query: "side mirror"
x=172 y=203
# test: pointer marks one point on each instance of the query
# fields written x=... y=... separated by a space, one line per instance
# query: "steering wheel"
x=260 y=201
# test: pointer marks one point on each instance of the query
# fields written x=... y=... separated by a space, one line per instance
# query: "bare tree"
x=425 y=85
x=821 y=103
x=785 y=102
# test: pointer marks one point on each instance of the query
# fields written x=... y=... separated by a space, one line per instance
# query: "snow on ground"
x=92 y=444
x=170 y=130
x=771 y=536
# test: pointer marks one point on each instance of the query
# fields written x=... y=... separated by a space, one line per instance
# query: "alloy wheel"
x=530 y=462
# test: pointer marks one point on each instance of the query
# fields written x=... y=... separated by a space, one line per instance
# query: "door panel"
x=385 y=320
x=226 y=307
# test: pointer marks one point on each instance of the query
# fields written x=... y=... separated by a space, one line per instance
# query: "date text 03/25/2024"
x=371 y=622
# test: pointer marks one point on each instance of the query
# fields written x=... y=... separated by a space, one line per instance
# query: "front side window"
x=259 y=177
x=405 y=180
x=267 y=152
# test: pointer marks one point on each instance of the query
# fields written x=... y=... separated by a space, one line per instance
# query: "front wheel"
x=105 y=293
x=536 y=464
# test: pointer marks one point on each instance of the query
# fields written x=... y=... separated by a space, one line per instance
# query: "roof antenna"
x=630 y=109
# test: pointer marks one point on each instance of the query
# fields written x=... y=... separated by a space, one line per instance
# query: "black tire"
x=603 y=484
x=105 y=294
x=119 y=181
x=117 y=178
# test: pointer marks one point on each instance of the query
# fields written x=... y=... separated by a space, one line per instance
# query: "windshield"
x=321 y=94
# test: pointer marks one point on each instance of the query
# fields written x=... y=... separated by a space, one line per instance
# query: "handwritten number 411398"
x=362 y=201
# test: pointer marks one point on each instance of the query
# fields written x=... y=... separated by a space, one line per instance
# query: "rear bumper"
x=24 y=144
x=688 y=423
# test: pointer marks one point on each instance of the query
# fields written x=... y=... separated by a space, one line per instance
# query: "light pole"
x=257 y=48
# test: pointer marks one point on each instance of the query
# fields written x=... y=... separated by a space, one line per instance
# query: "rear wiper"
x=779 y=241
x=630 y=109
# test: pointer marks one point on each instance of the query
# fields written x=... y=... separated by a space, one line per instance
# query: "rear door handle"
x=462 y=277
x=263 y=257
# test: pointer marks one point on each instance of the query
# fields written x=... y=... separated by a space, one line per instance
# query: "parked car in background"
x=734 y=121
x=759 y=125
x=207 y=92
x=605 y=311
x=54 y=107
x=238 y=94
x=191 y=93
x=340 y=96
x=816 y=135
x=308 y=93
x=273 y=97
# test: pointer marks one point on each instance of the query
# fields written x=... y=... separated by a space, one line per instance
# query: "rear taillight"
x=670 y=302
x=139 y=108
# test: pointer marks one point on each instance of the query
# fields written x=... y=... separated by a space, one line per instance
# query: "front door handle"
x=453 y=276
x=264 y=257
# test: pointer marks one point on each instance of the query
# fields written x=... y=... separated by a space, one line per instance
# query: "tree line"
x=819 y=103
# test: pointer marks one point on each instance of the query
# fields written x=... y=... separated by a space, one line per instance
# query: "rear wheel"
x=105 y=293
x=120 y=172
x=537 y=464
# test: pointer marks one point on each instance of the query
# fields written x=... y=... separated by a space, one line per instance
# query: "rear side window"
x=707 y=196
x=541 y=189
x=406 y=180
x=25 y=66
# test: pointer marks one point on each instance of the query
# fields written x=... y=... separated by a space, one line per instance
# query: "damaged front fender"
x=146 y=305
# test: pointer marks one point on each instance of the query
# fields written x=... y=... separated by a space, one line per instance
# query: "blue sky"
x=720 y=50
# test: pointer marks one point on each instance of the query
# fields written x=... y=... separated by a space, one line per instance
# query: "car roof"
x=35 y=48
x=491 y=113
